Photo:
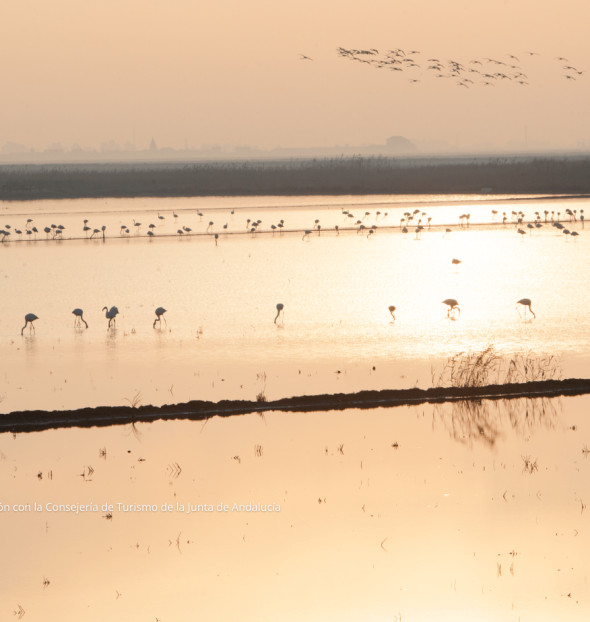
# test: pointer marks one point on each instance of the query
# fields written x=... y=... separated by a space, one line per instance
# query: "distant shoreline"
x=543 y=175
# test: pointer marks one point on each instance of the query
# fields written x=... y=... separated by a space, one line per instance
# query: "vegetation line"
x=29 y=421
x=332 y=176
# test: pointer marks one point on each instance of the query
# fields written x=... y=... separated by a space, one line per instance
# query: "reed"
x=544 y=174
x=135 y=401
x=487 y=367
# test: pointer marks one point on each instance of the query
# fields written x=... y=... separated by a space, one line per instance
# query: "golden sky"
x=230 y=72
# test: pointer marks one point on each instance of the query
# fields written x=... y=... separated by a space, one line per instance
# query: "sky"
x=190 y=73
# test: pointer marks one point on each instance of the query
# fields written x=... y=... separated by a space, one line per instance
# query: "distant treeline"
x=337 y=176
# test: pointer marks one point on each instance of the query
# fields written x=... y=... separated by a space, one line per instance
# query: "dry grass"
x=135 y=401
x=487 y=367
x=261 y=395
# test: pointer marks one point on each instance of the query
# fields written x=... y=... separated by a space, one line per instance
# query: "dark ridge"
x=336 y=176
x=36 y=420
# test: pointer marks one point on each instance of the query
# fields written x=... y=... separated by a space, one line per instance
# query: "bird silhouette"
x=452 y=304
x=29 y=319
x=79 y=317
x=392 y=311
x=280 y=308
x=159 y=313
x=111 y=314
x=526 y=302
x=455 y=262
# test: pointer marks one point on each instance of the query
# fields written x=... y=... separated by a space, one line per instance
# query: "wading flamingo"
x=29 y=319
x=280 y=308
x=78 y=319
x=159 y=313
x=526 y=302
x=111 y=314
x=452 y=305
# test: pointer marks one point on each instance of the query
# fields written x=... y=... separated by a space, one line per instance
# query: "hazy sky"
x=229 y=72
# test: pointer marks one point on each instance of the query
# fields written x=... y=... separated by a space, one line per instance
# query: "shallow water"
x=219 y=340
x=454 y=512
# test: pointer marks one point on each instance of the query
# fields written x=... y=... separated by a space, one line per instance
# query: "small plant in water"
x=261 y=395
x=135 y=401
x=530 y=465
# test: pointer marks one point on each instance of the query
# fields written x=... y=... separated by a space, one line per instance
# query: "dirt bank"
x=34 y=420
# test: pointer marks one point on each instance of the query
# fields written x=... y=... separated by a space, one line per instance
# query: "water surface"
x=219 y=339
x=454 y=512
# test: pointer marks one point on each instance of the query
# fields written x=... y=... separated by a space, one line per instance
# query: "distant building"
x=399 y=144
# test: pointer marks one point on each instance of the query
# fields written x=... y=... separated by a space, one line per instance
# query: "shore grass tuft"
x=135 y=401
x=487 y=367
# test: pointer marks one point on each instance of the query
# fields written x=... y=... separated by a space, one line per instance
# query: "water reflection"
x=30 y=343
x=484 y=420
x=111 y=337
x=382 y=516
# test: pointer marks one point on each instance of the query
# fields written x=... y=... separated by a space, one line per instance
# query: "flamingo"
x=526 y=302
x=29 y=319
x=280 y=308
x=79 y=317
x=452 y=305
x=392 y=311
x=159 y=313
x=111 y=314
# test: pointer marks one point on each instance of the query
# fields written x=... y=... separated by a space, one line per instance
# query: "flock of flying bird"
x=477 y=71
